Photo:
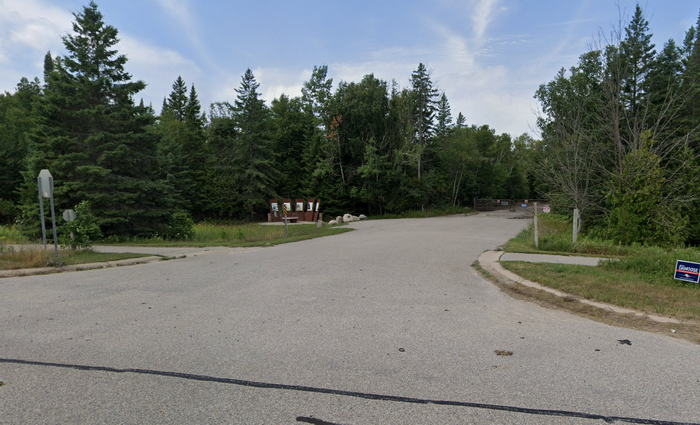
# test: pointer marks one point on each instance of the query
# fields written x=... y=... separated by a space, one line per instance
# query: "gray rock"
x=339 y=219
x=333 y=222
x=362 y=217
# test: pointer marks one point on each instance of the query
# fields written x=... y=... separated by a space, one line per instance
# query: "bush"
x=639 y=213
x=84 y=230
x=181 y=226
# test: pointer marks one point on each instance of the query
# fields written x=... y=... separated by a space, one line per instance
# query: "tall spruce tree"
x=94 y=139
x=637 y=55
x=443 y=117
x=461 y=121
x=423 y=110
x=254 y=167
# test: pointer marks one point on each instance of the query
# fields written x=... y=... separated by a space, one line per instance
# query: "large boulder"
x=362 y=217
x=339 y=219
x=333 y=222
x=349 y=218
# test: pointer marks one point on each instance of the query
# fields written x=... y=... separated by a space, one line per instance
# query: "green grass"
x=632 y=283
x=639 y=277
x=38 y=257
x=208 y=234
x=11 y=235
x=555 y=238
x=432 y=212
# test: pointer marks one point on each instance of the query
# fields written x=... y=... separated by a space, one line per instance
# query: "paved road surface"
x=392 y=309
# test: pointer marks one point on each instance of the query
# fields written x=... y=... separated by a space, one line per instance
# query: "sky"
x=488 y=56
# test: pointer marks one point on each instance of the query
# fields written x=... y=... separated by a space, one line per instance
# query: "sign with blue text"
x=687 y=271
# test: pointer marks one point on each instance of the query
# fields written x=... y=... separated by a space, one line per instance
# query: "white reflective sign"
x=45 y=181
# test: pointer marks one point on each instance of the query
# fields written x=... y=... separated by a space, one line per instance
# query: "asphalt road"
x=384 y=325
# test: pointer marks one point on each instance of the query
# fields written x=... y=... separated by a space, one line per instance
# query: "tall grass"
x=11 y=235
x=555 y=236
x=211 y=234
x=20 y=258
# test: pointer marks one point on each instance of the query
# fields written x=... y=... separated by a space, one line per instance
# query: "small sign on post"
x=687 y=271
x=45 y=187
x=536 y=229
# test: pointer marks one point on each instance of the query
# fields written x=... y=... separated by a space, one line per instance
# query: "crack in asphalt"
x=367 y=396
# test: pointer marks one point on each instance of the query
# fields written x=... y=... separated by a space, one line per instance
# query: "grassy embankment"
x=234 y=235
x=639 y=277
x=24 y=258
x=432 y=212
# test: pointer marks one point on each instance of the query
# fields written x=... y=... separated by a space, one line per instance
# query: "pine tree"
x=94 y=139
x=48 y=66
x=461 y=121
x=176 y=103
x=424 y=110
x=638 y=55
x=444 y=117
x=254 y=169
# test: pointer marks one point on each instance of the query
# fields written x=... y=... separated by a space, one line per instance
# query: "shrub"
x=639 y=213
x=84 y=230
x=181 y=226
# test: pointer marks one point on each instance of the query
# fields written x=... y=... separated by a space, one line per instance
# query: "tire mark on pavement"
x=314 y=421
x=367 y=396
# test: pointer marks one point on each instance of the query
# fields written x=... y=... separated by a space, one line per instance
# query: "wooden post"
x=536 y=229
x=576 y=226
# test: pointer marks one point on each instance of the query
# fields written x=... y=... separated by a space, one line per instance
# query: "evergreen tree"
x=177 y=101
x=424 y=110
x=94 y=139
x=48 y=66
x=638 y=53
x=461 y=121
x=17 y=121
x=444 y=117
x=254 y=168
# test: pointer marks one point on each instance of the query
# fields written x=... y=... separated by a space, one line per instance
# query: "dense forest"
x=619 y=142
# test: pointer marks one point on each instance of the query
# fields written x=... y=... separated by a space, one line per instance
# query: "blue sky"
x=489 y=56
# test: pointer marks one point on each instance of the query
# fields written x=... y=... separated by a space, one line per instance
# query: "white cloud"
x=482 y=16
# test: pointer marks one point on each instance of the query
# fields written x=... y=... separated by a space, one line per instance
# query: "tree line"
x=620 y=136
x=369 y=146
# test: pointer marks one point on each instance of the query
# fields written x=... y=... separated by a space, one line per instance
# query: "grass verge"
x=626 y=288
x=11 y=259
x=433 y=212
x=688 y=331
x=239 y=235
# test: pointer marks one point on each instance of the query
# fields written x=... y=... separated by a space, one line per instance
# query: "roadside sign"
x=68 y=215
x=546 y=209
x=687 y=271
x=45 y=181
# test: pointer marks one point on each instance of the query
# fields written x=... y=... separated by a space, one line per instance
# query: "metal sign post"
x=45 y=187
x=536 y=229
x=285 y=219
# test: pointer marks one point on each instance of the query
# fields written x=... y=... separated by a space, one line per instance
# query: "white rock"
x=362 y=217
x=339 y=219
x=333 y=222
x=347 y=218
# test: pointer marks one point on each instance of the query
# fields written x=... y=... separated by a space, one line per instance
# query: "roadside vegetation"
x=23 y=258
x=209 y=234
x=429 y=212
x=11 y=235
x=637 y=276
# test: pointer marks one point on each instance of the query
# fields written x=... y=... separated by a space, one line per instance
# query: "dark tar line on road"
x=368 y=396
